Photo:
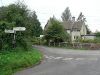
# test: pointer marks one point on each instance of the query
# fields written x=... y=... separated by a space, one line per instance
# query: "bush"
x=87 y=41
x=97 y=40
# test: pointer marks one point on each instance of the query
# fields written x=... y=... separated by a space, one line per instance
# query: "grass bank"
x=12 y=61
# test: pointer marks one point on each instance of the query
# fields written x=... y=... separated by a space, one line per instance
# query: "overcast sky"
x=47 y=8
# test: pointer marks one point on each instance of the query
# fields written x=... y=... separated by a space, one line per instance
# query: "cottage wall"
x=83 y=30
x=75 y=35
x=68 y=31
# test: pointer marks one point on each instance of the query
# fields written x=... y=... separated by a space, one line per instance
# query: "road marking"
x=58 y=57
x=47 y=57
x=64 y=59
x=80 y=59
x=67 y=58
x=51 y=57
x=94 y=59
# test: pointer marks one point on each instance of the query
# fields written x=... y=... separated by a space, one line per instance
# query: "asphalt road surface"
x=59 y=61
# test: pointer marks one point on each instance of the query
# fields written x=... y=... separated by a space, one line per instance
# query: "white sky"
x=47 y=8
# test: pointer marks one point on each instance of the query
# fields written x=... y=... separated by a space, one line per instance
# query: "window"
x=74 y=37
x=77 y=37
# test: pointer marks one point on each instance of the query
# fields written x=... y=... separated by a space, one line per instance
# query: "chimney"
x=73 y=19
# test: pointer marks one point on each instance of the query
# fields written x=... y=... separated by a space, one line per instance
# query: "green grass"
x=13 y=61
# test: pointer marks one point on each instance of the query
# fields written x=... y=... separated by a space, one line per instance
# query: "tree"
x=81 y=17
x=36 y=29
x=5 y=39
x=88 y=30
x=97 y=34
x=97 y=39
x=18 y=15
x=22 y=17
x=55 y=32
x=66 y=15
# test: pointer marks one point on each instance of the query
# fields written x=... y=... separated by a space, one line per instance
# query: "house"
x=75 y=29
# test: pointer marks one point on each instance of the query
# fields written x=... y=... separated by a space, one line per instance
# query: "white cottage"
x=75 y=29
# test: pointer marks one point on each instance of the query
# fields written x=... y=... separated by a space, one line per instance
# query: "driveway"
x=59 y=61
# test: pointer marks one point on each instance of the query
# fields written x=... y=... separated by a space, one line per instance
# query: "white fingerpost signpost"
x=19 y=28
x=9 y=31
x=14 y=32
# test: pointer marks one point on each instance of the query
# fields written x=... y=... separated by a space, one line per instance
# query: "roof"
x=69 y=25
x=77 y=25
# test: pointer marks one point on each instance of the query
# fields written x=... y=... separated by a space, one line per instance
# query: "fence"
x=91 y=46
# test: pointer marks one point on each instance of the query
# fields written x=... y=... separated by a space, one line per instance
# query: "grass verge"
x=13 y=61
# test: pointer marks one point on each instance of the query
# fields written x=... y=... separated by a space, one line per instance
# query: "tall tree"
x=66 y=15
x=18 y=15
x=81 y=17
x=36 y=29
x=88 y=30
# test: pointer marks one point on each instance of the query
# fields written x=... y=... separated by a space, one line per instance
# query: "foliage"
x=81 y=17
x=36 y=29
x=97 y=34
x=66 y=15
x=88 y=30
x=56 y=32
x=96 y=40
x=5 y=39
x=86 y=41
x=10 y=62
x=17 y=15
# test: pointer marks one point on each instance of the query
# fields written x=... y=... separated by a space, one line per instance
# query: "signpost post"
x=14 y=32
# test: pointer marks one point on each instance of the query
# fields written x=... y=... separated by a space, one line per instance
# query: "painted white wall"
x=68 y=31
x=75 y=34
x=83 y=30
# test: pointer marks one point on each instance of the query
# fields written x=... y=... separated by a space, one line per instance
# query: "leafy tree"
x=81 y=17
x=18 y=15
x=66 y=15
x=55 y=32
x=35 y=26
x=88 y=30
x=5 y=39
x=97 y=34
x=97 y=38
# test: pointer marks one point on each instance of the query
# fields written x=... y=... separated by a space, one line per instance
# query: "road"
x=59 y=61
